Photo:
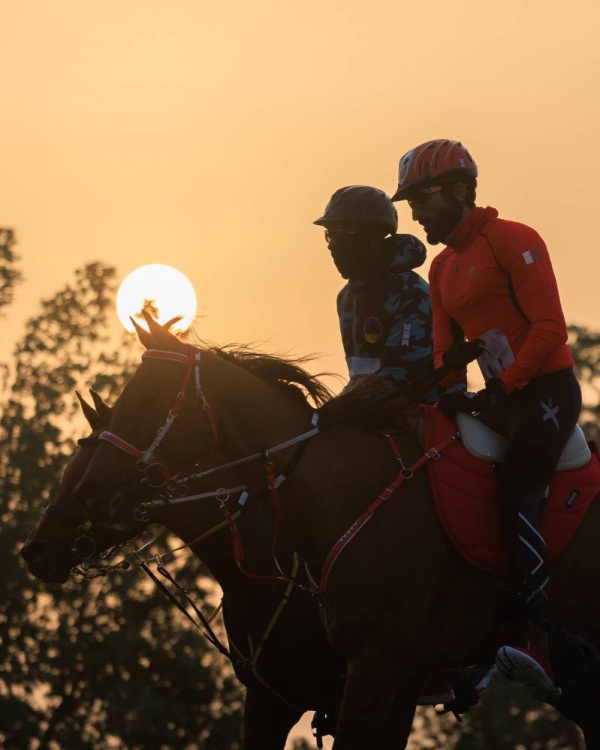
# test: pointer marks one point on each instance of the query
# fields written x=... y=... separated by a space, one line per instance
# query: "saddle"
x=465 y=489
x=482 y=442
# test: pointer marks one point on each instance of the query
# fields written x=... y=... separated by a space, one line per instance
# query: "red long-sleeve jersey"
x=496 y=281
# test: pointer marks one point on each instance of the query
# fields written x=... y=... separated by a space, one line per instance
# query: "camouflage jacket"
x=386 y=326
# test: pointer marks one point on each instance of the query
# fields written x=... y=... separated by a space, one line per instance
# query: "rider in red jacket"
x=494 y=297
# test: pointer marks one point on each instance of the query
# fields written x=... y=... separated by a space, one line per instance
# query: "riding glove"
x=451 y=403
x=458 y=355
x=492 y=396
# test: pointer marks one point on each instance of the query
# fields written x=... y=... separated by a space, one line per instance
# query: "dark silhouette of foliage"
x=10 y=275
x=505 y=718
x=106 y=662
x=585 y=346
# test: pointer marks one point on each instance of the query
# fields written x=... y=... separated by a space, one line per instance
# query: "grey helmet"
x=360 y=205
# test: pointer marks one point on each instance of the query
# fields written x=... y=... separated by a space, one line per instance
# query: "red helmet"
x=431 y=162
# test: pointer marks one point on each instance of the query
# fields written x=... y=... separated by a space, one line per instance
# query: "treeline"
x=107 y=662
x=110 y=662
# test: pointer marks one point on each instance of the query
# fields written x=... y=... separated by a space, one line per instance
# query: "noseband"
x=145 y=458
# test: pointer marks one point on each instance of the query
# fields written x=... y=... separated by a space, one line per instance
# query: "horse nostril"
x=35 y=552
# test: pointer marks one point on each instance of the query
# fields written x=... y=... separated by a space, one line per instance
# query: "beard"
x=445 y=222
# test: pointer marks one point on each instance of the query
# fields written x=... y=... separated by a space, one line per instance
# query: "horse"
x=397 y=600
x=279 y=647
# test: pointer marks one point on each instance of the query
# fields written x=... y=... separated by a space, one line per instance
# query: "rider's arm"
x=407 y=355
x=523 y=256
x=443 y=328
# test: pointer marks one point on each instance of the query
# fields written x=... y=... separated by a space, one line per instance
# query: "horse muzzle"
x=38 y=555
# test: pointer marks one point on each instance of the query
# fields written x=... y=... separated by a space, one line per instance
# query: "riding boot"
x=539 y=613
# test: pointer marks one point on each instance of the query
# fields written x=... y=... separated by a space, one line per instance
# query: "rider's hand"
x=458 y=355
x=492 y=396
x=455 y=401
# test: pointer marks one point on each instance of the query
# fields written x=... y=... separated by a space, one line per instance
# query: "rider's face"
x=438 y=210
x=351 y=252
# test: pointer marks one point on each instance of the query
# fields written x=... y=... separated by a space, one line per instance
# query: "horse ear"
x=103 y=409
x=161 y=336
x=153 y=325
x=170 y=323
x=93 y=419
x=145 y=338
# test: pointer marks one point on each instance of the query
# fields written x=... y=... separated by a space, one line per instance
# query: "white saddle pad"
x=484 y=443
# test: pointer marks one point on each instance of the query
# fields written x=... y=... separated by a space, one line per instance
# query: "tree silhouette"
x=585 y=346
x=103 y=661
x=10 y=275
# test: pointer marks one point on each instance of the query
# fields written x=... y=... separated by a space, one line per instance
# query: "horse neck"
x=341 y=473
x=251 y=413
x=216 y=550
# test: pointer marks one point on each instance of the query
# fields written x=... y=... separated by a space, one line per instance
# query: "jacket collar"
x=470 y=227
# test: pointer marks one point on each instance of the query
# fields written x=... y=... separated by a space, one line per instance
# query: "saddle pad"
x=465 y=492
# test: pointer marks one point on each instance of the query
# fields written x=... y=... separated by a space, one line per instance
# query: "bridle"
x=146 y=463
x=145 y=458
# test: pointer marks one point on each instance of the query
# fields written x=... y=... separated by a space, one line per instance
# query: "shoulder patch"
x=372 y=329
x=530 y=256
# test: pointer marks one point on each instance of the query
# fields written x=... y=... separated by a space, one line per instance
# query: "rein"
x=145 y=462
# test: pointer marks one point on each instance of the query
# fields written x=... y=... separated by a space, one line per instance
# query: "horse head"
x=183 y=405
x=64 y=538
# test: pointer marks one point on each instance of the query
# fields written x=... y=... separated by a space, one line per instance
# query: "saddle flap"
x=487 y=445
x=480 y=440
x=576 y=452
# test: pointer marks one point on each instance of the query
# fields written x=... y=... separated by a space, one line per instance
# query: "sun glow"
x=161 y=290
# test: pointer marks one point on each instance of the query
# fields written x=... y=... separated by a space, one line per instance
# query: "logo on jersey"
x=530 y=256
x=406 y=330
x=372 y=329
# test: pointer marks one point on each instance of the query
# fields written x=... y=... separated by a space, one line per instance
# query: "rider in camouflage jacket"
x=384 y=309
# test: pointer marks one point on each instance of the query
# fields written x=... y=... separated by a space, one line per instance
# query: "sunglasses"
x=331 y=234
x=420 y=198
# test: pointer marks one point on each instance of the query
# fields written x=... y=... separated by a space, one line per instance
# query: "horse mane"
x=374 y=406
x=350 y=408
x=288 y=373
x=283 y=371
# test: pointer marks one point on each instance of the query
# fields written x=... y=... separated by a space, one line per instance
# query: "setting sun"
x=161 y=290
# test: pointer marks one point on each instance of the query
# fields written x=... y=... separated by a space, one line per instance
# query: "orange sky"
x=210 y=135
